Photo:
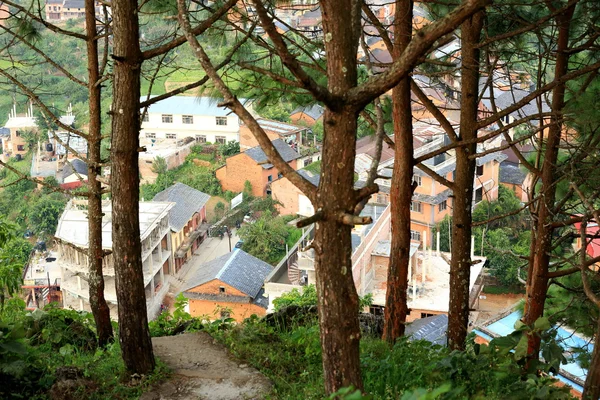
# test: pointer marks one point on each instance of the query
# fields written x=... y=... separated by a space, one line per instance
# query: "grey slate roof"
x=74 y=4
x=187 y=201
x=312 y=178
x=314 y=111
x=238 y=269
x=287 y=153
x=511 y=173
x=70 y=168
x=433 y=329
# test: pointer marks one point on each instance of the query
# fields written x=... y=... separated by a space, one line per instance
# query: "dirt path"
x=203 y=369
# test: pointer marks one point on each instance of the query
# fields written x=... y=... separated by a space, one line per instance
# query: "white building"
x=157 y=259
x=179 y=117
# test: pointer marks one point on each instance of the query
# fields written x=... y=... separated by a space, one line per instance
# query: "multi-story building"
x=18 y=124
x=157 y=257
x=179 y=117
x=432 y=201
x=187 y=220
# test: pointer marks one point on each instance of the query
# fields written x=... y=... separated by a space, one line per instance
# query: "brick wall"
x=302 y=119
x=207 y=307
x=286 y=193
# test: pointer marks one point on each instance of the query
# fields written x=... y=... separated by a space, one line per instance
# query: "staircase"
x=293 y=273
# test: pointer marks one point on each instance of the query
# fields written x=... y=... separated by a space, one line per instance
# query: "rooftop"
x=238 y=269
x=282 y=128
x=285 y=151
x=73 y=223
x=570 y=373
x=511 y=173
x=71 y=167
x=314 y=111
x=189 y=105
x=187 y=201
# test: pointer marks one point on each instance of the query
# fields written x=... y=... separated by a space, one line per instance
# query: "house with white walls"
x=180 y=117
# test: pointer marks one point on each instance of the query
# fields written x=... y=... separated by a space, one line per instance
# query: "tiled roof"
x=285 y=151
x=511 y=173
x=187 y=201
x=433 y=329
x=312 y=178
x=74 y=4
x=314 y=111
x=238 y=269
x=74 y=165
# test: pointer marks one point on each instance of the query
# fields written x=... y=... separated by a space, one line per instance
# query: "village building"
x=179 y=117
x=299 y=138
x=253 y=166
x=308 y=115
x=157 y=258
x=73 y=174
x=15 y=145
x=228 y=286
x=292 y=200
x=187 y=220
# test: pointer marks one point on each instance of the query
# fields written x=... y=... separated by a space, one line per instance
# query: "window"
x=416 y=206
x=270 y=178
x=279 y=175
x=414 y=235
x=268 y=192
x=442 y=206
x=479 y=170
x=187 y=119
x=145 y=117
x=225 y=313
x=150 y=135
x=18 y=133
x=479 y=195
x=307 y=161
x=221 y=289
x=200 y=138
x=171 y=136
x=220 y=139
x=418 y=180
x=167 y=118
x=221 y=121
x=20 y=147
x=425 y=315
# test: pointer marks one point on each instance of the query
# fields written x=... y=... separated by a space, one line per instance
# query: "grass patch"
x=315 y=167
x=503 y=289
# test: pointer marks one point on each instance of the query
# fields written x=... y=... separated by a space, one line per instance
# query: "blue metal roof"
x=567 y=340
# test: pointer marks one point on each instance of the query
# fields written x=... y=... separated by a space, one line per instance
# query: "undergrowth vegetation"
x=37 y=348
x=287 y=350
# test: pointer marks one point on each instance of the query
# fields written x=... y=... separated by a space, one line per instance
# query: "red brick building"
x=231 y=284
x=253 y=165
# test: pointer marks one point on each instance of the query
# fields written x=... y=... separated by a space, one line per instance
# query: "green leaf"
x=14 y=346
x=542 y=324
x=521 y=349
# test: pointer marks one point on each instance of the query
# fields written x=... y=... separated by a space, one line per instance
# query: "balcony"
x=190 y=239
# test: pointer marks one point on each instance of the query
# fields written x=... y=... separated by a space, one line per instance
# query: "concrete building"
x=231 y=282
x=157 y=258
x=179 y=117
x=18 y=124
x=73 y=174
x=187 y=220
x=252 y=165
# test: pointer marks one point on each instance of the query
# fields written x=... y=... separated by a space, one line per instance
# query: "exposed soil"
x=203 y=369
x=210 y=206
x=494 y=304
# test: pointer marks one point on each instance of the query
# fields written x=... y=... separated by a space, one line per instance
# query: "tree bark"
x=338 y=299
x=100 y=309
x=460 y=265
x=396 y=307
x=591 y=388
x=134 y=336
x=538 y=281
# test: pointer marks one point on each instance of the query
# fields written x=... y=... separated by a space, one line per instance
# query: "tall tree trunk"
x=396 y=307
x=338 y=299
x=538 y=281
x=460 y=265
x=591 y=388
x=100 y=309
x=134 y=336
